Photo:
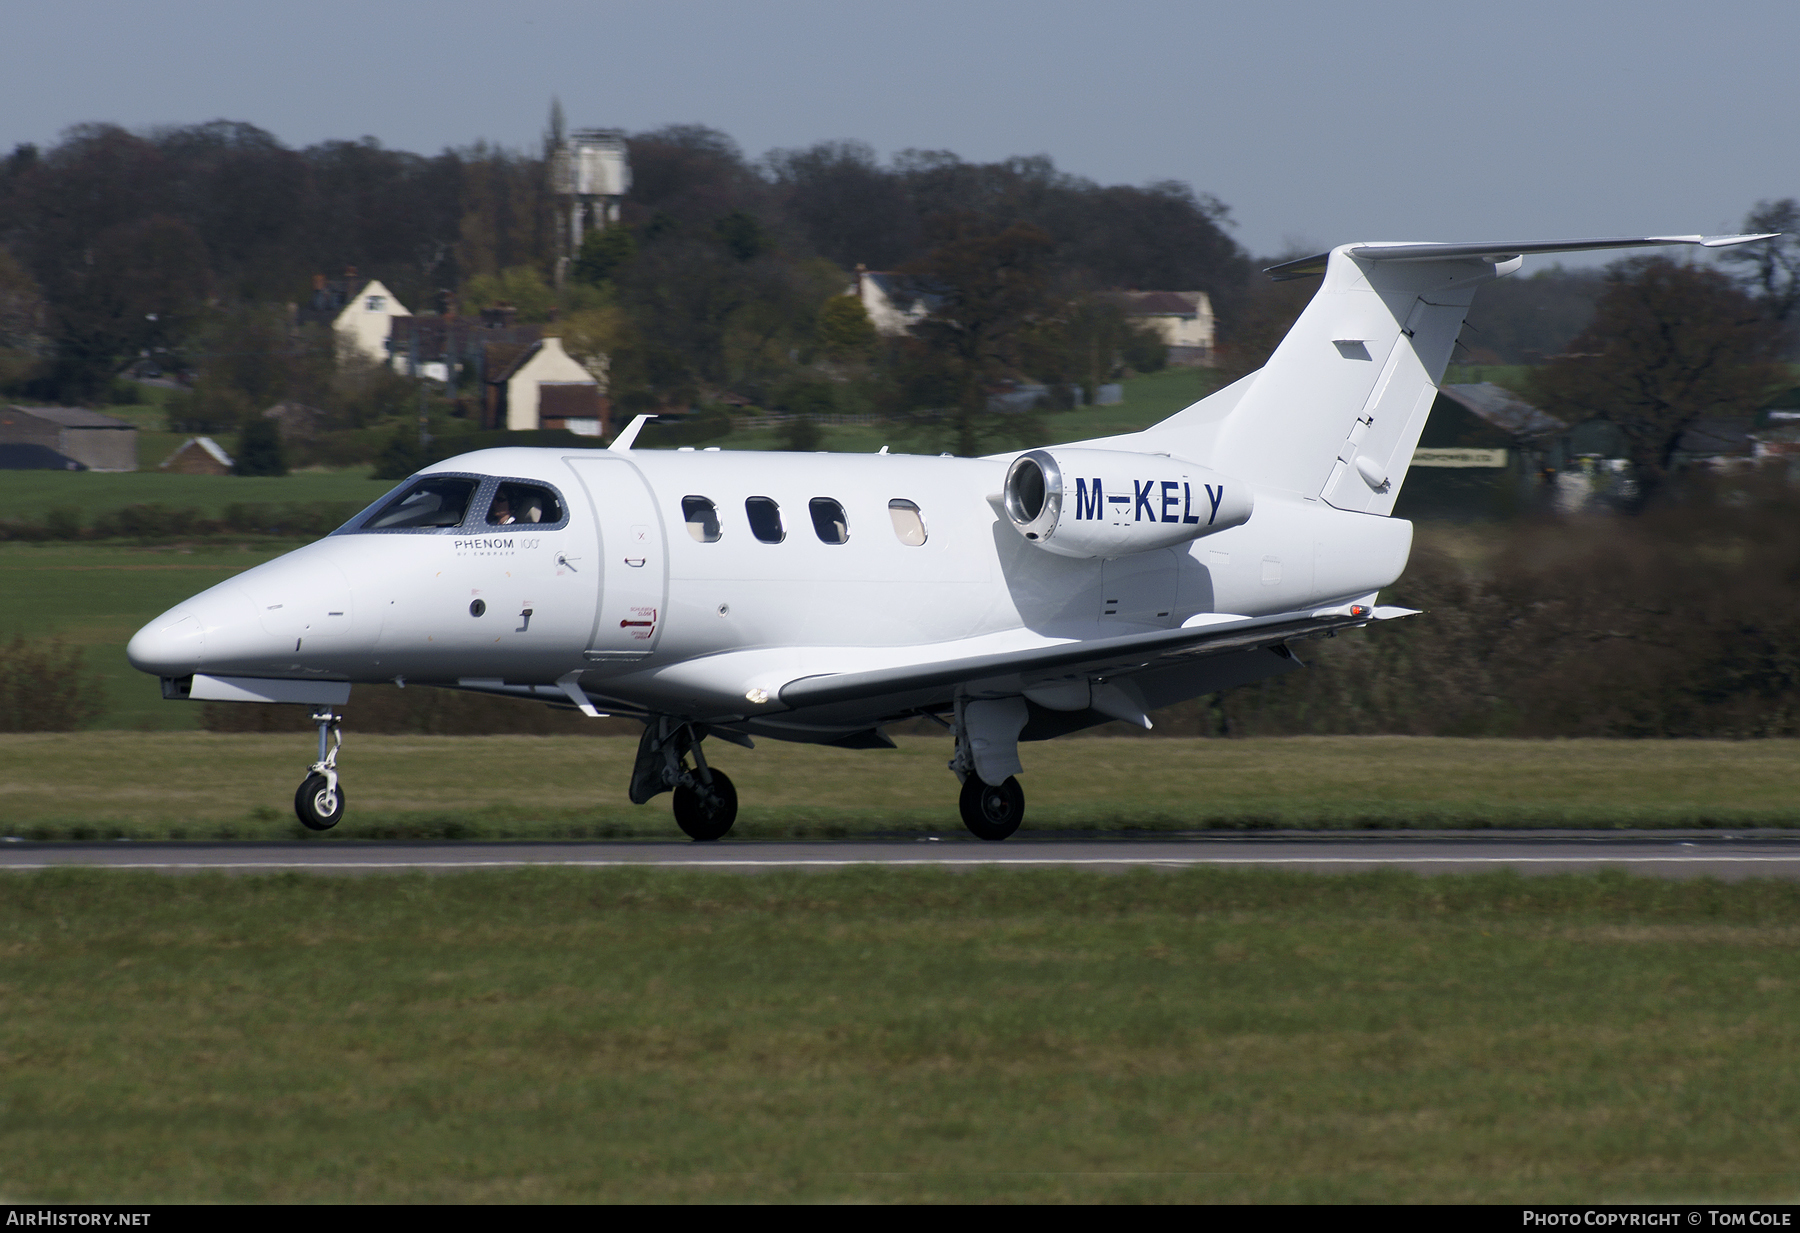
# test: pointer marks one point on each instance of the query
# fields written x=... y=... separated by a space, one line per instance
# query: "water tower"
x=590 y=173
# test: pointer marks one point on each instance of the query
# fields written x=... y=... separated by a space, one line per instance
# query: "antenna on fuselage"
x=622 y=443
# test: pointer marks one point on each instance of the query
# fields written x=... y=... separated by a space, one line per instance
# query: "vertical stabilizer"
x=1335 y=413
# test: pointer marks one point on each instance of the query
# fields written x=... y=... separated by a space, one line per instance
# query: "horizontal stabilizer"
x=1497 y=251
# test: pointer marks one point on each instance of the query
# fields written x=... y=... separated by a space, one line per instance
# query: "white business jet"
x=818 y=597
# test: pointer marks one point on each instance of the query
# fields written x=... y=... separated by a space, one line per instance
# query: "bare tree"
x=1668 y=345
x=1772 y=268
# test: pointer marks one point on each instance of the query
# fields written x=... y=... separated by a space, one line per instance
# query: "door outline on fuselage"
x=629 y=594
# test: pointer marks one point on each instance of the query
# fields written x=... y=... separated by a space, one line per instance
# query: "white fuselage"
x=623 y=592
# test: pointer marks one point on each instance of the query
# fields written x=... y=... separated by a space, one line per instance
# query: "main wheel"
x=317 y=812
x=990 y=812
x=706 y=818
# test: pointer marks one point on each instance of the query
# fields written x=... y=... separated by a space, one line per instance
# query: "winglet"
x=622 y=443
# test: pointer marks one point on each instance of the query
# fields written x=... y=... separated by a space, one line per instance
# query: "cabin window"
x=702 y=519
x=909 y=524
x=440 y=501
x=828 y=520
x=523 y=504
x=377 y=304
x=765 y=519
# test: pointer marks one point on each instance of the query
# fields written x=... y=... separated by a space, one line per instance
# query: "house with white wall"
x=545 y=387
x=1182 y=319
x=893 y=306
x=363 y=324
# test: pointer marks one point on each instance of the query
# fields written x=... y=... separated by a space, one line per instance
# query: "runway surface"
x=1727 y=856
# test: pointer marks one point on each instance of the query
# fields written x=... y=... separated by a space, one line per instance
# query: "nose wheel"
x=319 y=801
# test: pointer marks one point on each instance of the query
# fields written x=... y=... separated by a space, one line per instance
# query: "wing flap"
x=1129 y=652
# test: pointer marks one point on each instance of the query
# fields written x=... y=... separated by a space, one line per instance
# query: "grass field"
x=95 y=596
x=30 y=493
x=168 y=785
x=871 y=1035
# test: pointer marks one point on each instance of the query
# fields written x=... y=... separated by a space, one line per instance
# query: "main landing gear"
x=705 y=801
x=320 y=800
x=987 y=763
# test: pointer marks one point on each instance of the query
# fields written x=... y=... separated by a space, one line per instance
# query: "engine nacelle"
x=1108 y=503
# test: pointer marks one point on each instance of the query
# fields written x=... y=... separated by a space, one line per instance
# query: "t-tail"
x=1336 y=412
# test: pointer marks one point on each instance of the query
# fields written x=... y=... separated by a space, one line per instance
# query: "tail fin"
x=1336 y=412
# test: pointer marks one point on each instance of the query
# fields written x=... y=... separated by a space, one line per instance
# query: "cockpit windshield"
x=437 y=501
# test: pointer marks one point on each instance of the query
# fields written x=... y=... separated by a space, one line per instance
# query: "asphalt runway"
x=1728 y=856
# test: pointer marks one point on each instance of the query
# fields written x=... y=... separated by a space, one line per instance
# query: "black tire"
x=990 y=812
x=707 y=820
x=311 y=809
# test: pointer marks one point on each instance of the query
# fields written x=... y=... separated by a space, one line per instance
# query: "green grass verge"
x=1002 y=1035
x=95 y=596
x=194 y=786
x=32 y=494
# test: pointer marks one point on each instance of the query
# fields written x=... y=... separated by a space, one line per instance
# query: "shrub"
x=46 y=688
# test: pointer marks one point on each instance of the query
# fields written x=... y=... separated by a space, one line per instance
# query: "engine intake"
x=1108 y=503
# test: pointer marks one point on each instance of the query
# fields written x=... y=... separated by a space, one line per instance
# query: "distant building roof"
x=211 y=446
x=1504 y=409
x=1717 y=436
x=75 y=417
x=1159 y=303
x=457 y=336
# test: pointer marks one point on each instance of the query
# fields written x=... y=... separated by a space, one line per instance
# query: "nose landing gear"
x=319 y=802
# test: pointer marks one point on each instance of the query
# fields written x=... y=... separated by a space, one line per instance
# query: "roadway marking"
x=351 y=863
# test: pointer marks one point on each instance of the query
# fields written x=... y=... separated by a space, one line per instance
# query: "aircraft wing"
x=1128 y=653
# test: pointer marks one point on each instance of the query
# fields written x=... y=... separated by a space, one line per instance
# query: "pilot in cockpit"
x=529 y=508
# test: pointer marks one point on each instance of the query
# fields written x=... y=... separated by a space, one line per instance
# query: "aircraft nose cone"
x=169 y=646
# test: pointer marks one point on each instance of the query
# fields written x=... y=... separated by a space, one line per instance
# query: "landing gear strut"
x=705 y=800
x=320 y=801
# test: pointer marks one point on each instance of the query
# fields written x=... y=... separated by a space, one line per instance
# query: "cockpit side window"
x=516 y=504
x=435 y=501
x=702 y=518
x=765 y=520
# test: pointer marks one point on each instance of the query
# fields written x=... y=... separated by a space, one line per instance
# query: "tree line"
x=725 y=279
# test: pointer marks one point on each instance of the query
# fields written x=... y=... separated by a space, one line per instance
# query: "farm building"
x=96 y=442
x=199 y=456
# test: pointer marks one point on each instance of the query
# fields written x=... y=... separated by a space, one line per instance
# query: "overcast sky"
x=1316 y=123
